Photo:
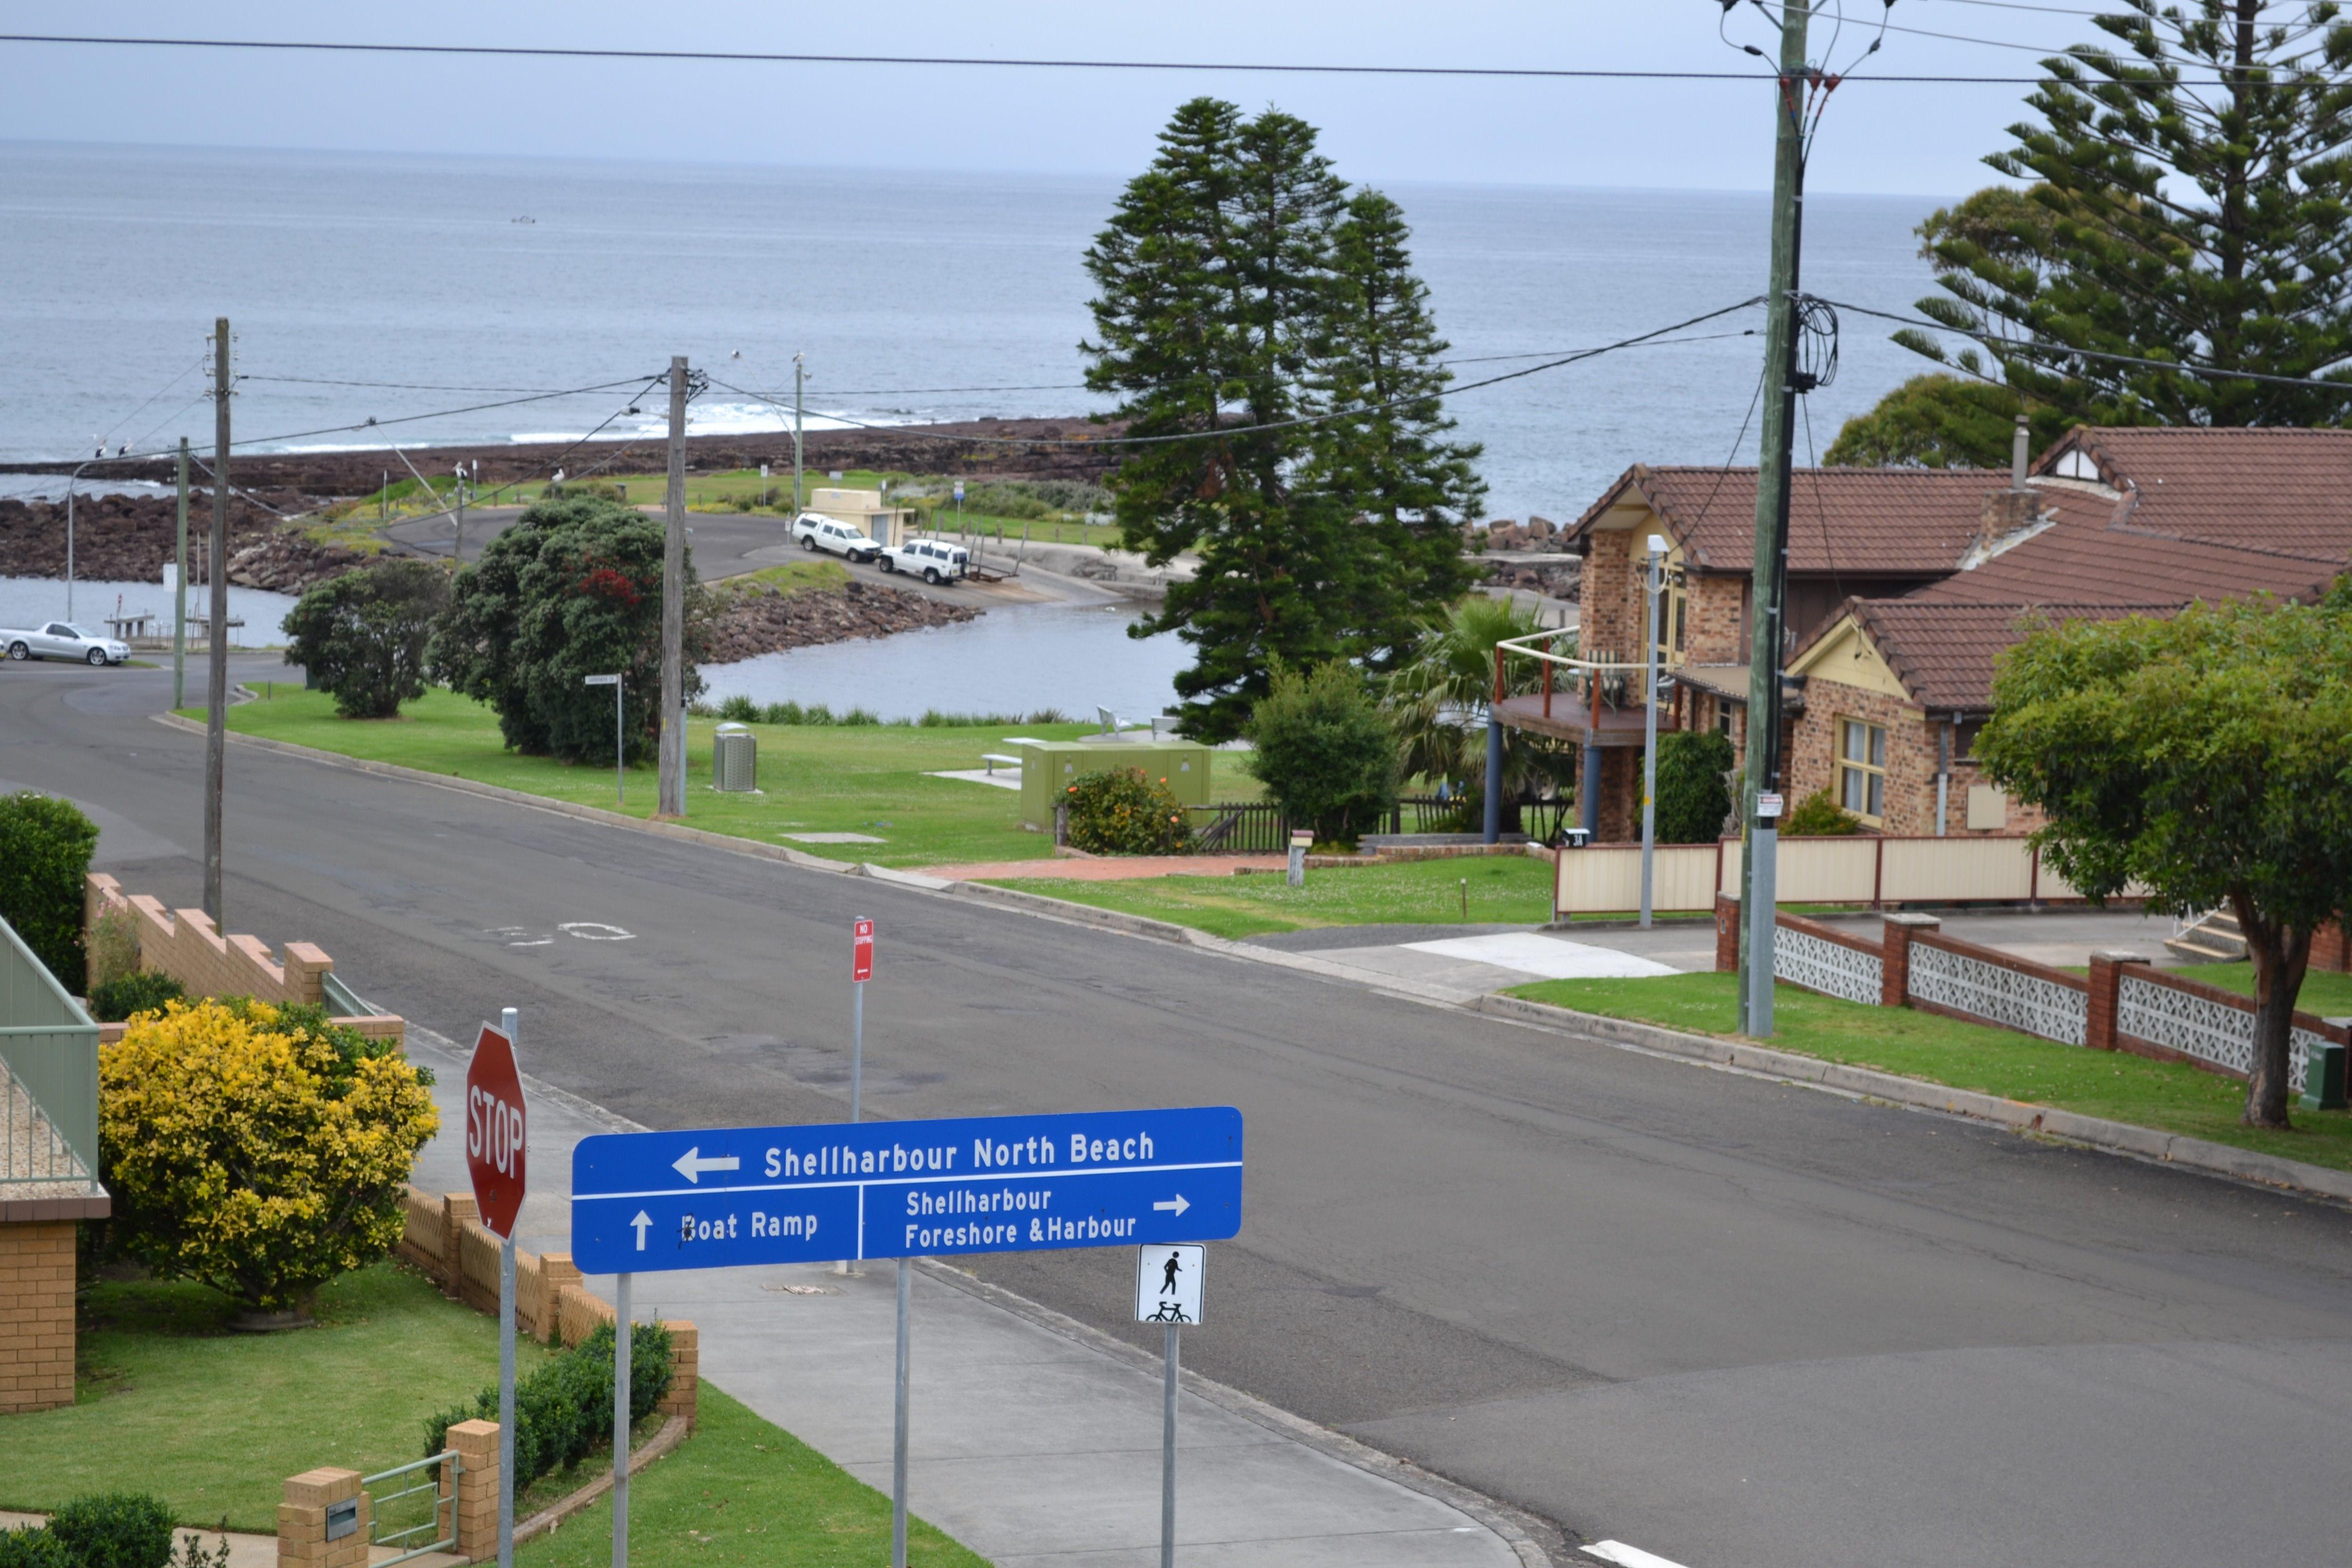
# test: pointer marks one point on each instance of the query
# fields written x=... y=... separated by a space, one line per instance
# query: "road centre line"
x=1040 y=1174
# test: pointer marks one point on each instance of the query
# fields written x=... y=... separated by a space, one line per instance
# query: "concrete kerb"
x=2091 y=1132
x=2041 y=1121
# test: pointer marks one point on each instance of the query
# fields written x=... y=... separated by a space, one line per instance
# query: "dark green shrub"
x=1125 y=812
x=362 y=636
x=1819 y=815
x=140 y=990
x=114 y=1529
x=740 y=710
x=32 y=1547
x=1325 y=752
x=563 y=1411
x=45 y=850
x=572 y=589
x=1693 y=791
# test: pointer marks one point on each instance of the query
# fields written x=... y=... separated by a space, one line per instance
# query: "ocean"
x=389 y=286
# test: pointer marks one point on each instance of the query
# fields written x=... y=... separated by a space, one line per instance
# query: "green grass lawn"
x=817 y=778
x=2171 y=1096
x=169 y=1401
x=1502 y=889
x=792 y=576
x=743 y=1492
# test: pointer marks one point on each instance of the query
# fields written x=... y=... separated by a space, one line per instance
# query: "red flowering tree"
x=572 y=589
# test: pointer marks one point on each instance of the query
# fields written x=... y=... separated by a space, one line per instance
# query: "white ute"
x=817 y=531
x=63 y=640
x=933 y=560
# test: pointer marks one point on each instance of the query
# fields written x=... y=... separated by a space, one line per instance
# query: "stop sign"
x=494 y=1130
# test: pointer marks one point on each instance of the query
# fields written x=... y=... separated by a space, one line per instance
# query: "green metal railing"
x=48 y=1046
x=342 y=1001
x=437 y=1475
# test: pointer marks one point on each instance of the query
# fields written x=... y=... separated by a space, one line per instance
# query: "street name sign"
x=735 y=1196
x=495 y=1141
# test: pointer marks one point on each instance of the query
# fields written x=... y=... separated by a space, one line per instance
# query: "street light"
x=1657 y=579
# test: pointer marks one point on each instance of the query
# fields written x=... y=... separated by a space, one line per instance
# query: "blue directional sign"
x=730 y=1196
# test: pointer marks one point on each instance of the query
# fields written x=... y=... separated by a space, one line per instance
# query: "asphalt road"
x=1729 y=1321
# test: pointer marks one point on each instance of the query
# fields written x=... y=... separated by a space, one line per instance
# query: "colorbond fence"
x=1686 y=878
x=48 y=1048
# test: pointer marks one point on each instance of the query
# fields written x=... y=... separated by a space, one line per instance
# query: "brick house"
x=1905 y=585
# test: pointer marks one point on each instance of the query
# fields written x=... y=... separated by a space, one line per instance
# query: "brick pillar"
x=2106 y=986
x=1894 y=944
x=302 y=1521
x=37 y=1315
x=306 y=968
x=456 y=1210
x=558 y=1273
x=477 y=1443
x=686 y=1367
x=1726 y=935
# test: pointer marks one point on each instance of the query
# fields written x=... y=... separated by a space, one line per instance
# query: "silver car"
x=63 y=640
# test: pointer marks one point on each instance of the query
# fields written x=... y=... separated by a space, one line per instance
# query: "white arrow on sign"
x=691 y=1165
x=643 y=1220
x=1176 y=1205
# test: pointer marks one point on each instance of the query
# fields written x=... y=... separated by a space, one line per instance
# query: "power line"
x=372 y=423
x=402 y=385
x=1222 y=432
x=2060 y=351
x=522 y=51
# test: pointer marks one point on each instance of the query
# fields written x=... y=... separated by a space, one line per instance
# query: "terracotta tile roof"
x=1943 y=653
x=2286 y=489
x=1862 y=521
x=2093 y=556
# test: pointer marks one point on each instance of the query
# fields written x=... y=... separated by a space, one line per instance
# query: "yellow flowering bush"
x=256 y=1148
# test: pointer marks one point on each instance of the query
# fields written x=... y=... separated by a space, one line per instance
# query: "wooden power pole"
x=216 y=649
x=1767 y=634
x=672 y=731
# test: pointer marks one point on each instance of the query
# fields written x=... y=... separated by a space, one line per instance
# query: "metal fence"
x=48 y=1053
x=430 y=1498
x=1259 y=827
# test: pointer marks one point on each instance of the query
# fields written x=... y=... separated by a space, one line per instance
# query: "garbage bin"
x=734 y=760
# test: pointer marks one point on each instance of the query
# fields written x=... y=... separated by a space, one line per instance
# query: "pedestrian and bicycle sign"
x=732 y=1197
x=1168 y=1279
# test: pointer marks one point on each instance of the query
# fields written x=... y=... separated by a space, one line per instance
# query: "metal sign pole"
x=622 y=1345
x=1167 y=1457
x=857 y=1046
x=898 y=1442
x=508 y=1024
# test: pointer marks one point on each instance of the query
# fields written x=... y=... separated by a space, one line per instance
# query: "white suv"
x=817 y=531
x=930 y=559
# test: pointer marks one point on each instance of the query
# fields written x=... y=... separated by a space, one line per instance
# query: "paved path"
x=1732 y=1321
x=1028 y=1446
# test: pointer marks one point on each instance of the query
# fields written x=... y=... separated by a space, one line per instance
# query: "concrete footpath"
x=1029 y=1444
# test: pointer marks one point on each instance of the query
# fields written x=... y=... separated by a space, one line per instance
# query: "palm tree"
x=1438 y=698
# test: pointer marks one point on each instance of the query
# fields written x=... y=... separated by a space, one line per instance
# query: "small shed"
x=865 y=510
x=1049 y=769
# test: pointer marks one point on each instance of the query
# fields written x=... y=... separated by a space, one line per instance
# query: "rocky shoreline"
x=745 y=622
x=131 y=539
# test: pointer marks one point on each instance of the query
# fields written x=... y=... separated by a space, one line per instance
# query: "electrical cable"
x=372 y=423
x=2029 y=348
x=398 y=385
x=520 y=51
x=158 y=392
x=1228 y=430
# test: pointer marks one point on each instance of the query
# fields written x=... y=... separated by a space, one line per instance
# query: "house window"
x=1861 y=768
x=1673 y=612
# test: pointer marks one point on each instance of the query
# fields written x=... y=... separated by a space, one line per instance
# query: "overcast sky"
x=1895 y=139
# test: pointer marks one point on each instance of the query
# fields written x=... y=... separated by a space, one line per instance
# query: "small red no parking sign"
x=495 y=1131
x=861 y=949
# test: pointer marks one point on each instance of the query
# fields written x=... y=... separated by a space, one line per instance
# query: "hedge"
x=45 y=850
x=564 y=1410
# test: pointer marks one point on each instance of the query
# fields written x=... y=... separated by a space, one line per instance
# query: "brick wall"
x=1910 y=802
x=185 y=944
x=1714 y=630
x=37 y=1315
x=302 y=1521
x=1609 y=600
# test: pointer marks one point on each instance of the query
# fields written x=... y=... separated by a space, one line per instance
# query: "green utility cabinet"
x=1048 y=769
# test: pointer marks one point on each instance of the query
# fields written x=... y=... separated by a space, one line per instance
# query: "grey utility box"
x=735 y=759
